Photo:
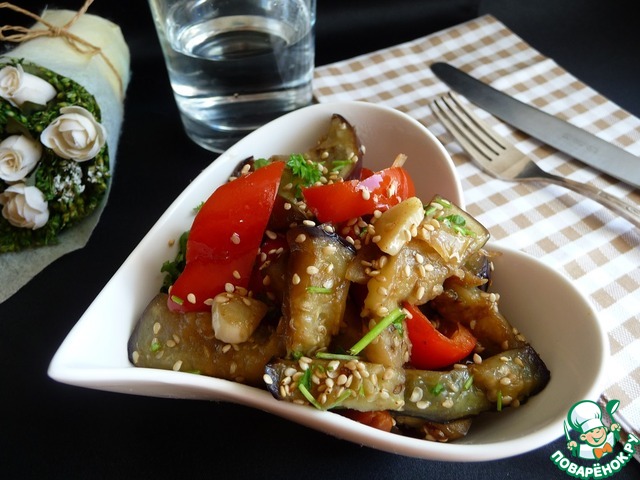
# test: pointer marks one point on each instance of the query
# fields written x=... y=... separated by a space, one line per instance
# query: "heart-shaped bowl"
x=556 y=318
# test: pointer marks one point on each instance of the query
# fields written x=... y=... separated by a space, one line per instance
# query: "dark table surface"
x=51 y=430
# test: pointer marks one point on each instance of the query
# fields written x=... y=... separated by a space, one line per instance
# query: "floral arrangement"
x=54 y=161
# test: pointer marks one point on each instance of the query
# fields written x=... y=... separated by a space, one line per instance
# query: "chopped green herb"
x=468 y=383
x=335 y=356
x=174 y=268
x=177 y=299
x=305 y=379
x=437 y=389
x=307 y=394
x=155 y=346
x=343 y=396
x=499 y=401
x=338 y=165
x=445 y=203
x=456 y=223
x=393 y=317
x=429 y=210
x=198 y=207
x=260 y=162
x=306 y=171
x=319 y=290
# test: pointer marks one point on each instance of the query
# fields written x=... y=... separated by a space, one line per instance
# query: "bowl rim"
x=123 y=377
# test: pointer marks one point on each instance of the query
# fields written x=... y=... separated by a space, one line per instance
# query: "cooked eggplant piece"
x=508 y=378
x=478 y=310
x=432 y=431
x=329 y=384
x=451 y=231
x=340 y=150
x=174 y=341
x=316 y=290
x=415 y=274
x=511 y=377
x=337 y=156
x=443 y=396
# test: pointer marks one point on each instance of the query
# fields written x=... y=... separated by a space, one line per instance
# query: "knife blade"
x=553 y=131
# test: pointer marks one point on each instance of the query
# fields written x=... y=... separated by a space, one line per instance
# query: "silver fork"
x=499 y=158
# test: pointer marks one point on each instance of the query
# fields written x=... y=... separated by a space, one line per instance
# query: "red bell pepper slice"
x=224 y=238
x=338 y=202
x=432 y=349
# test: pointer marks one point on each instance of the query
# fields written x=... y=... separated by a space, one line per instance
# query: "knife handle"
x=624 y=209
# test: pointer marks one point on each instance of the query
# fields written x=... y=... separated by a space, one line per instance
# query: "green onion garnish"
x=307 y=394
x=346 y=394
x=335 y=356
x=371 y=335
x=437 y=389
x=319 y=290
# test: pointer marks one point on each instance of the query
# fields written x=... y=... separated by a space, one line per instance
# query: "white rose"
x=18 y=86
x=18 y=156
x=24 y=207
x=74 y=135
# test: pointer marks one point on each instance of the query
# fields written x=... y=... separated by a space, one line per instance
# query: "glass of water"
x=234 y=65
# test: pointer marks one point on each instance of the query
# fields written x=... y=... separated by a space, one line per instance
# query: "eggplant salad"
x=334 y=286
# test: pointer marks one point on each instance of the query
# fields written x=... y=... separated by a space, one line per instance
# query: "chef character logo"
x=595 y=439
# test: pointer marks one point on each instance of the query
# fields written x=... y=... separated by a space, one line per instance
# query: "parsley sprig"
x=307 y=172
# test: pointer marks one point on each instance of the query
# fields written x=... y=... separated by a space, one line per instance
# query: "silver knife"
x=561 y=135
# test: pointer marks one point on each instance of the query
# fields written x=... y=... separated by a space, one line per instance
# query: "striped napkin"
x=577 y=236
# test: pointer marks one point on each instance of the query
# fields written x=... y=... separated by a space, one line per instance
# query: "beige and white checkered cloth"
x=578 y=237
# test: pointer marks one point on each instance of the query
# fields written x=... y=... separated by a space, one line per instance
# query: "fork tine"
x=467 y=128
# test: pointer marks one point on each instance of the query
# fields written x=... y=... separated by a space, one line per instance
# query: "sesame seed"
x=228 y=287
x=156 y=327
x=236 y=274
x=448 y=403
x=333 y=365
x=423 y=404
x=505 y=381
x=267 y=379
x=312 y=270
x=301 y=238
x=271 y=235
x=177 y=365
x=295 y=279
x=235 y=238
x=309 y=223
x=416 y=394
x=191 y=298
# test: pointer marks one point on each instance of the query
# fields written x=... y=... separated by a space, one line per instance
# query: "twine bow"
x=23 y=34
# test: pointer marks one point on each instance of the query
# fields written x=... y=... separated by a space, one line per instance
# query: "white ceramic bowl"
x=556 y=318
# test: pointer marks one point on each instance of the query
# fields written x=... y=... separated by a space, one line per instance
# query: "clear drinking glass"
x=234 y=65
